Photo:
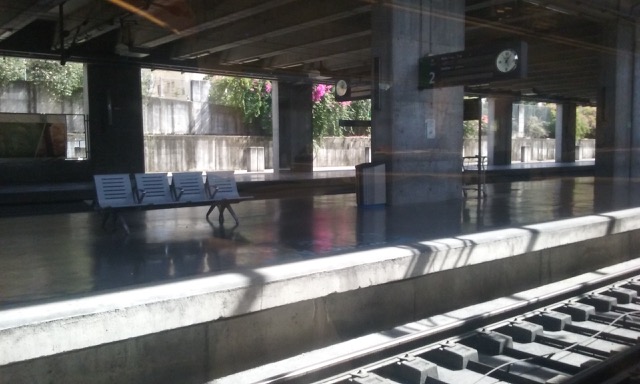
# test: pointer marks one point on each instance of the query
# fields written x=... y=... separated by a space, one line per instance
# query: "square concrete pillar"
x=566 y=133
x=417 y=133
x=500 y=130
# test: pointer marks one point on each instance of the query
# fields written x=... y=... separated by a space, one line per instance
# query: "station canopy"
x=322 y=40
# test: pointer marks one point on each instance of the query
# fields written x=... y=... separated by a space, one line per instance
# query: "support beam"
x=418 y=134
x=614 y=130
x=114 y=106
x=566 y=133
x=346 y=48
x=266 y=25
x=296 y=126
x=22 y=13
x=275 y=126
x=357 y=26
x=500 y=130
x=206 y=17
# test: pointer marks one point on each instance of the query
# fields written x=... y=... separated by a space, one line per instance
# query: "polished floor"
x=55 y=256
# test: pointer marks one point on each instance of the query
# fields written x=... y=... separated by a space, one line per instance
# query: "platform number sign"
x=428 y=73
x=501 y=61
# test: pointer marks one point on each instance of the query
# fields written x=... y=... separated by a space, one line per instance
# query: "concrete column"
x=615 y=135
x=418 y=134
x=114 y=104
x=521 y=122
x=566 y=133
x=296 y=126
x=635 y=108
x=500 y=130
x=275 y=126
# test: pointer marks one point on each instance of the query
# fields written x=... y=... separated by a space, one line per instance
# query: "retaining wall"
x=168 y=153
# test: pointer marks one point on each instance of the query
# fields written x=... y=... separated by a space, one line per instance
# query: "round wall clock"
x=507 y=60
x=341 y=87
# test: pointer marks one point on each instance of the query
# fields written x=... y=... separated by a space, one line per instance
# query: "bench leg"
x=105 y=218
x=117 y=220
x=211 y=208
x=221 y=208
x=231 y=211
x=123 y=223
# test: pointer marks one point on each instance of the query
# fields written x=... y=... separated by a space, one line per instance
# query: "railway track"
x=574 y=332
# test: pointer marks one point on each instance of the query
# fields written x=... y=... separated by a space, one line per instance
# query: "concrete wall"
x=341 y=151
x=24 y=97
x=201 y=153
x=180 y=117
x=535 y=149
x=173 y=153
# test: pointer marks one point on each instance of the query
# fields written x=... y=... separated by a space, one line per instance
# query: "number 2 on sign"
x=432 y=78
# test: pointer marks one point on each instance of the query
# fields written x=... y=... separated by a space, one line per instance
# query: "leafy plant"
x=585 y=123
x=327 y=112
x=60 y=80
x=251 y=96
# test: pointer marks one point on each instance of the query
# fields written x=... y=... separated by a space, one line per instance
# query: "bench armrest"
x=177 y=192
x=140 y=194
x=211 y=191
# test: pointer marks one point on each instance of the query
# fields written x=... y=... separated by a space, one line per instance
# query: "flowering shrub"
x=327 y=112
x=319 y=91
x=253 y=98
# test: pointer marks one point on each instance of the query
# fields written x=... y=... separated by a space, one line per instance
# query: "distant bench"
x=117 y=192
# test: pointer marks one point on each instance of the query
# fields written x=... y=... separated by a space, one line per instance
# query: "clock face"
x=507 y=61
x=341 y=88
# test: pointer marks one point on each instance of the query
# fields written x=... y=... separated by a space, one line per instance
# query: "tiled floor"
x=48 y=257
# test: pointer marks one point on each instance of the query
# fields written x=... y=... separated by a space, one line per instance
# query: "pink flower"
x=318 y=92
x=267 y=86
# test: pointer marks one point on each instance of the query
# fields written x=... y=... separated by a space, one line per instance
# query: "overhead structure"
x=328 y=40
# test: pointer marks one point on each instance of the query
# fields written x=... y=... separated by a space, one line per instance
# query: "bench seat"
x=116 y=193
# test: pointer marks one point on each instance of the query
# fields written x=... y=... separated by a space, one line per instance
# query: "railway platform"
x=297 y=274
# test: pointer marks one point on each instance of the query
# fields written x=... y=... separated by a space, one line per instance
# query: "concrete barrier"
x=195 y=330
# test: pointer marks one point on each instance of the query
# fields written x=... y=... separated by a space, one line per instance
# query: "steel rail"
x=475 y=321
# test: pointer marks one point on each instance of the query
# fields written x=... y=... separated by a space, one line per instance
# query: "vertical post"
x=275 y=128
x=296 y=125
x=115 y=118
x=480 y=149
x=500 y=112
x=566 y=133
x=417 y=133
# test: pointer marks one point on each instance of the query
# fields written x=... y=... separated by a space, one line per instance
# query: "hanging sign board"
x=500 y=61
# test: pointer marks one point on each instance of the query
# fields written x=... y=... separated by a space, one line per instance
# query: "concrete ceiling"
x=326 y=39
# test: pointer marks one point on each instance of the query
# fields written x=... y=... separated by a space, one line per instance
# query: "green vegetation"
x=586 y=123
x=60 y=80
x=540 y=122
x=327 y=112
x=253 y=98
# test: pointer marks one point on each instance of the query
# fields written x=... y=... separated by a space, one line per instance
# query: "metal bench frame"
x=116 y=193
